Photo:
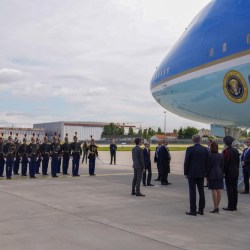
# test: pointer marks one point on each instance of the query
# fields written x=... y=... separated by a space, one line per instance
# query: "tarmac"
x=98 y=212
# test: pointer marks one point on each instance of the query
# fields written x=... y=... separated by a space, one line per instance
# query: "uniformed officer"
x=9 y=152
x=85 y=149
x=66 y=151
x=92 y=156
x=2 y=161
x=39 y=157
x=33 y=157
x=54 y=150
x=17 y=157
x=23 y=152
x=44 y=150
x=59 y=158
x=76 y=153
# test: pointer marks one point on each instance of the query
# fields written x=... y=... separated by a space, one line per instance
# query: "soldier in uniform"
x=17 y=157
x=33 y=157
x=92 y=156
x=66 y=152
x=59 y=158
x=39 y=157
x=23 y=152
x=2 y=161
x=9 y=152
x=44 y=150
x=76 y=153
x=85 y=149
x=54 y=150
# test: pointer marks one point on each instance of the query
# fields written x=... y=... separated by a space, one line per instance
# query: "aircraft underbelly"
x=204 y=98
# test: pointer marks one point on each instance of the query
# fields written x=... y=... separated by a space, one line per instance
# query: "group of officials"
x=142 y=165
x=33 y=154
x=200 y=163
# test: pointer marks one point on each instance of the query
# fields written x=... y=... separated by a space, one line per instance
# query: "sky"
x=87 y=60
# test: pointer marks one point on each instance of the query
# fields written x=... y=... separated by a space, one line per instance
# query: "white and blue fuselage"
x=206 y=75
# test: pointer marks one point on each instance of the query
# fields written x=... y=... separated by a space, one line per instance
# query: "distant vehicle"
x=206 y=76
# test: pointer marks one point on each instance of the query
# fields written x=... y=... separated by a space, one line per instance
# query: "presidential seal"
x=235 y=87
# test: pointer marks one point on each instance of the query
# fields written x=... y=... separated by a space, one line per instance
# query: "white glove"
x=5 y=159
x=21 y=158
x=28 y=159
x=36 y=158
x=50 y=158
x=41 y=158
x=14 y=159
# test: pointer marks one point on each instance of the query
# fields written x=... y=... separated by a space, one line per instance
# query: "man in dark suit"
x=157 y=149
x=147 y=162
x=245 y=159
x=164 y=159
x=139 y=167
x=195 y=166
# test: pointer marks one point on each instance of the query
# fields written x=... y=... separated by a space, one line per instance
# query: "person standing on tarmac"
x=23 y=152
x=44 y=150
x=76 y=153
x=85 y=149
x=54 y=150
x=113 y=149
x=2 y=162
x=9 y=153
x=66 y=152
x=93 y=153
x=33 y=157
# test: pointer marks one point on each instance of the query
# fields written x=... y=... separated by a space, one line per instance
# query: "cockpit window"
x=224 y=47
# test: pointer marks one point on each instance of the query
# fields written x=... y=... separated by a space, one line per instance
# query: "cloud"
x=10 y=75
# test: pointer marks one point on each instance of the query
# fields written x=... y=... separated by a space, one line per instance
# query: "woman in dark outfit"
x=215 y=175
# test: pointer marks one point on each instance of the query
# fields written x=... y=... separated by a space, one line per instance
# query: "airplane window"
x=167 y=70
x=164 y=72
x=224 y=47
x=248 y=38
x=211 y=52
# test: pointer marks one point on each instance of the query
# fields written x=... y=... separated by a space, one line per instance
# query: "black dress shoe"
x=1 y=176
x=228 y=209
x=151 y=185
x=8 y=178
x=244 y=192
x=164 y=183
x=200 y=212
x=24 y=174
x=144 y=184
x=157 y=179
x=54 y=176
x=191 y=213
x=140 y=194
x=132 y=193
x=216 y=210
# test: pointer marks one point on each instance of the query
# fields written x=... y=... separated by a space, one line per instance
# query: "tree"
x=189 y=132
x=180 y=134
x=113 y=130
x=131 y=131
x=151 y=132
x=139 y=134
x=159 y=132
x=145 y=134
x=175 y=131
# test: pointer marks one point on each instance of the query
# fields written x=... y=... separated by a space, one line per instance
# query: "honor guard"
x=92 y=156
x=76 y=153
x=59 y=158
x=39 y=160
x=23 y=152
x=66 y=152
x=2 y=162
x=33 y=157
x=54 y=150
x=17 y=156
x=85 y=149
x=44 y=150
x=9 y=152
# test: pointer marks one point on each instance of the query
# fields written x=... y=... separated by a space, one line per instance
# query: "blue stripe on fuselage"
x=221 y=21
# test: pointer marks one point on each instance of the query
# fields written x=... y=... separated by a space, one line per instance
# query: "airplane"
x=205 y=77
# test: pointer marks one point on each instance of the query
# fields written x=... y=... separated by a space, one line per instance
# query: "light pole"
x=165 y=118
